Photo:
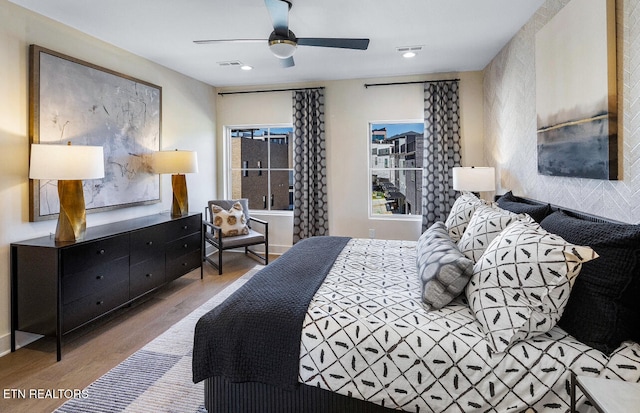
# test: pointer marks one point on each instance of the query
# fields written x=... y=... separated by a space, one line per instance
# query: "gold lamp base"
x=180 y=206
x=72 y=220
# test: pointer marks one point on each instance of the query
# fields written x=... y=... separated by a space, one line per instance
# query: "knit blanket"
x=255 y=334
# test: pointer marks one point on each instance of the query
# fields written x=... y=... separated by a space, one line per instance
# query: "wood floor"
x=90 y=352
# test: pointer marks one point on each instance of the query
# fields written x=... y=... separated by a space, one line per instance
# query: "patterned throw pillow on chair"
x=522 y=282
x=485 y=224
x=232 y=222
x=460 y=214
x=442 y=269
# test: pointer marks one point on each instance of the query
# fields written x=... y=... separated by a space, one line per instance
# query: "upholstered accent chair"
x=227 y=226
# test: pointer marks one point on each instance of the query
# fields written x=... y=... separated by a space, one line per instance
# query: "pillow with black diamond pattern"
x=442 y=269
x=460 y=214
x=522 y=283
x=485 y=224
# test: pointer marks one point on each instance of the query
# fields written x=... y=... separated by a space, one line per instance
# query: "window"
x=261 y=166
x=396 y=168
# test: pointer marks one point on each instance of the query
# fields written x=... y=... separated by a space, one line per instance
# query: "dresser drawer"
x=183 y=246
x=146 y=275
x=179 y=266
x=95 y=279
x=146 y=243
x=94 y=253
x=184 y=226
x=87 y=308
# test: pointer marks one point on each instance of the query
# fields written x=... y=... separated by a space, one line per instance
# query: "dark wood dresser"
x=57 y=287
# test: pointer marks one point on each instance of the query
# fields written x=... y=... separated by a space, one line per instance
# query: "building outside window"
x=396 y=168
x=261 y=166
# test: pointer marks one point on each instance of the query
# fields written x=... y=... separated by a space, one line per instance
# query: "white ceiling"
x=456 y=35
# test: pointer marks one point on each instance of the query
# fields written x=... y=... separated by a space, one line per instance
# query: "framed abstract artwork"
x=576 y=92
x=75 y=101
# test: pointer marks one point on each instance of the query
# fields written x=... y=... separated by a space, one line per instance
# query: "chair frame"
x=217 y=238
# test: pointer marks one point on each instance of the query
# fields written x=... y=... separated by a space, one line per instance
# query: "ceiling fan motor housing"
x=283 y=47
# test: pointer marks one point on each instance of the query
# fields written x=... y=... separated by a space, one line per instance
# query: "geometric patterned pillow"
x=442 y=269
x=461 y=212
x=522 y=282
x=231 y=222
x=485 y=224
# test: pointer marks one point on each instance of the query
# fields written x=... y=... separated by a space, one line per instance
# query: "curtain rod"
x=366 y=85
x=270 y=90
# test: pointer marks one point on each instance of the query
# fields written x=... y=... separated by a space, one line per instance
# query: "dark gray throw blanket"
x=254 y=335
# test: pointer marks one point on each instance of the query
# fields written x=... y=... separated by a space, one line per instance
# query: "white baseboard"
x=22 y=339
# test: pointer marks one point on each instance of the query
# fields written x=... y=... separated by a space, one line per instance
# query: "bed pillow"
x=231 y=222
x=485 y=224
x=604 y=307
x=522 y=282
x=518 y=205
x=442 y=269
x=460 y=214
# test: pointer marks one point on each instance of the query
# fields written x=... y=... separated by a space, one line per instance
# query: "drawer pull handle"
x=100 y=277
x=150 y=243
x=184 y=264
x=186 y=246
x=149 y=275
x=185 y=227
x=100 y=302
x=101 y=252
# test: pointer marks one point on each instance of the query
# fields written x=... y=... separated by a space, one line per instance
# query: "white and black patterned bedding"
x=366 y=335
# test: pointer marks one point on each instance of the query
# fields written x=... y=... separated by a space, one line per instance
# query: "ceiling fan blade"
x=359 y=44
x=279 y=12
x=229 y=41
x=288 y=62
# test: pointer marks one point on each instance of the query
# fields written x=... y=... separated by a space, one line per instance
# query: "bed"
x=359 y=325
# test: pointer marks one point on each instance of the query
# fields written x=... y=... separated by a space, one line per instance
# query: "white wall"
x=188 y=122
x=349 y=107
x=510 y=122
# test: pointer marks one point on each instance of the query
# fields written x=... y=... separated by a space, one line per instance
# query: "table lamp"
x=474 y=179
x=69 y=165
x=176 y=163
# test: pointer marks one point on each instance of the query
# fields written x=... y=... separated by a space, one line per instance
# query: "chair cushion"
x=232 y=222
x=252 y=237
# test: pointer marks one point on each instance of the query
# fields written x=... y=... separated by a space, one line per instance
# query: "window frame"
x=371 y=168
x=228 y=170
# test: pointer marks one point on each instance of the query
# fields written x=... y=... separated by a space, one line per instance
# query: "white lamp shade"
x=175 y=162
x=474 y=179
x=66 y=162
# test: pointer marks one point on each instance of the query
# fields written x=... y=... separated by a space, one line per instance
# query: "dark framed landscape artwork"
x=74 y=101
x=576 y=92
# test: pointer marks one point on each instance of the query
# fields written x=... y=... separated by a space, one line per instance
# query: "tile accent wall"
x=510 y=122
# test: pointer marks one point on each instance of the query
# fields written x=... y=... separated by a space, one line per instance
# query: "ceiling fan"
x=283 y=42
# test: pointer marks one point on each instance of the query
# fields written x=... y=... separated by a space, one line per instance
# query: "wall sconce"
x=69 y=165
x=176 y=163
x=474 y=179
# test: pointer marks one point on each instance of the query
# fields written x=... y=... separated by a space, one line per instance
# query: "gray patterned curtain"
x=310 y=211
x=441 y=149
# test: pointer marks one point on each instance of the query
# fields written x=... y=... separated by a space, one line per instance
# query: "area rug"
x=156 y=378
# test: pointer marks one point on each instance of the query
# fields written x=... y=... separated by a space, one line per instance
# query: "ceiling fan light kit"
x=282 y=48
x=283 y=43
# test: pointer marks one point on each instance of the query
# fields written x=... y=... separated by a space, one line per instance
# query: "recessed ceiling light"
x=246 y=67
x=408 y=51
